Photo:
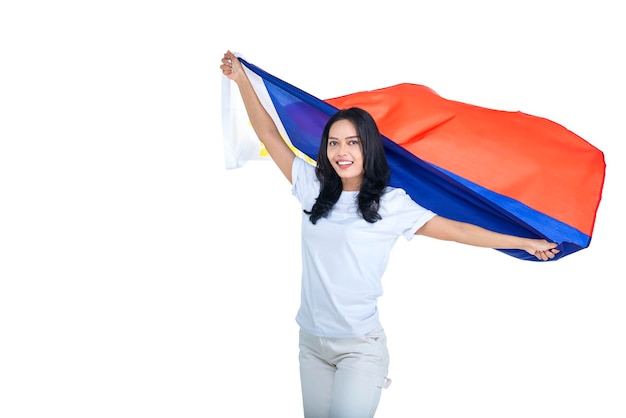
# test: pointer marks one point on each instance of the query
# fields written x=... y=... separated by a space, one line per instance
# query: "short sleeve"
x=305 y=186
x=409 y=216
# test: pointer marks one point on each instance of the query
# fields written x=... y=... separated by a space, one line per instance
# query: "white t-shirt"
x=344 y=256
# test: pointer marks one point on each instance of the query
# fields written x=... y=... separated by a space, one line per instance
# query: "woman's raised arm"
x=465 y=233
x=262 y=123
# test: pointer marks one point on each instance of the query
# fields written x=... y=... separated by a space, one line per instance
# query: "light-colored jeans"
x=343 y=377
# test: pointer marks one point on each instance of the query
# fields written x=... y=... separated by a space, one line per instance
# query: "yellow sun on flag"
x=263 y=152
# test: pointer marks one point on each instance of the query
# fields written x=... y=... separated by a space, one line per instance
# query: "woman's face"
x=345 y=154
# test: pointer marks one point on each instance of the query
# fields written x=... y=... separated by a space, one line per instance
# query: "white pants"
x=343 y=377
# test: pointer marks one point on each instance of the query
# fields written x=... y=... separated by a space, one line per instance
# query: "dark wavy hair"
x=376 y=170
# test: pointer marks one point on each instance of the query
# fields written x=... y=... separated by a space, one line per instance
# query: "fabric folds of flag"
x=510 y=172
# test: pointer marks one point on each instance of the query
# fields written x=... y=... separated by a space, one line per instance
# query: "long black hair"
x=376 y=170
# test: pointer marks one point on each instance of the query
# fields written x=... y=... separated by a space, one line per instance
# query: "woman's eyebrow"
x=347 y=137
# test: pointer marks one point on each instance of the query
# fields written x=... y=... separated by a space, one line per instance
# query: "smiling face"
x=345 y=153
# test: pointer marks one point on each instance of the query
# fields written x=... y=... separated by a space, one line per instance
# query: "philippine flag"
x=510 y=172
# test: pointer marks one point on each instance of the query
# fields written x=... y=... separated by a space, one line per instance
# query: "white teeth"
x=344 y=162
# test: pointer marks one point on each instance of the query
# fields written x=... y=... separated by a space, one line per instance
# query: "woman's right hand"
x=231 y=67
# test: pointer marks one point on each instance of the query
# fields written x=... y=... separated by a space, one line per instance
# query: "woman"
x=351 y=220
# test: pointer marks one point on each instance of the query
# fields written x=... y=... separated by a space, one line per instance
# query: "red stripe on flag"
x=531 y=159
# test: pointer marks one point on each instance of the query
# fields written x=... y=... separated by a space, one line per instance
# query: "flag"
x=510 y=172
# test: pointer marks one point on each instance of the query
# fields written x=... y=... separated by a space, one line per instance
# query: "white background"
x=139 y=278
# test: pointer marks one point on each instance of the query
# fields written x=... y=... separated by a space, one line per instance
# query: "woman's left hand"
x=543 y=249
